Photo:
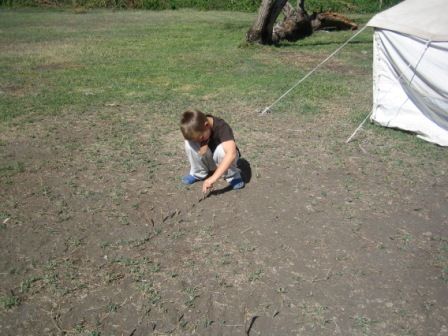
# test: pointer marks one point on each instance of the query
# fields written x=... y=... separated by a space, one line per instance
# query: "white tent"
x=410 y=68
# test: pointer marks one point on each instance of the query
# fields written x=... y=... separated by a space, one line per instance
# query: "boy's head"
x=195 y=126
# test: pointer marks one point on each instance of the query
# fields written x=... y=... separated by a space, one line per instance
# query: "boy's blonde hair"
x=192 y=124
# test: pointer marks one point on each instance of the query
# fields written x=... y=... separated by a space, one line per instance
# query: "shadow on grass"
x=319 y=43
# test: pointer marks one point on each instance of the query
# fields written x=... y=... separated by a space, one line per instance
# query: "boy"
x=211 y=150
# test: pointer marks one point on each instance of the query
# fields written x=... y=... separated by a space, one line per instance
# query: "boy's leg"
x=233 y=173
x=200 y=166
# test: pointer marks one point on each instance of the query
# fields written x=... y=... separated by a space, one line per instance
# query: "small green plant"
x=112 y=307
x=151 y=293
x=441 y=258
x=445 y=274
x=256 y=275
x=364 y=323
x=208 y=323
x=26 y=284
x=192 y=294
x=80 y=326
x=314 y=314
x=9 y=301
x=9 y=169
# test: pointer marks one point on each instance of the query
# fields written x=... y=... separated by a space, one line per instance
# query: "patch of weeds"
x=129 y=242
x=4 y=215
x=126 y=261
x=441 y=259
x=314 y=315
x=226 y=259
x=117 y=196
x=13 y=271
x=246 y=248
x=256 y=275
x=151 y=293
x=138 y=273
x=9 y=301
x=208 y=323
x=129 y=165
x=51 y=278
x=72 y=243
x=364 y=323
x=178 y=234
x=408 y=332
x=9 y=169
x=404 y=238
x=80 y=326
x=403 y=313
x=298 y=279
x=154 y=267
x=342 y=257
x=124 y=220
x=46 y=191
x=26 y=284
x=112 y=307
x=111 y=277
x=359 y=272
x=222 y=282
x=63 y=212
x=445 y=274
x=192 y=294
x=105 y=244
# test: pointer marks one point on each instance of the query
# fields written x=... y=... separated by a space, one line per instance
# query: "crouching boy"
x=211 y=150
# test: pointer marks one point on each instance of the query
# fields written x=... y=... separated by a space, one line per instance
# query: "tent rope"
x=268 y=108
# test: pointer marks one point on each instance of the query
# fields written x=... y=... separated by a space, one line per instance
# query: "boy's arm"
x=203 y=149
x=229 y=157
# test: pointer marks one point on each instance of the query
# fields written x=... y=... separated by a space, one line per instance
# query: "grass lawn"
x=54 y=61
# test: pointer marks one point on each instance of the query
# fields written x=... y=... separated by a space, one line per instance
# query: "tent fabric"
x=422 y=18
x=410 y=73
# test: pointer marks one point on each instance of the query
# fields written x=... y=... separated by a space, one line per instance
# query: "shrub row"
x=344 y=6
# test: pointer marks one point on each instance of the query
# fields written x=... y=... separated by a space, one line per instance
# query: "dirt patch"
x=98 y=236
x=13 y=90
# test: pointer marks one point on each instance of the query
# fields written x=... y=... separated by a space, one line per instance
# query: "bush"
x=347 y=6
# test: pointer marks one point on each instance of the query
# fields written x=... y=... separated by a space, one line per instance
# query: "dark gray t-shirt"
x=221 y=132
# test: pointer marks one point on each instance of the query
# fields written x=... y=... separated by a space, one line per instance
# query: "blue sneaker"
x=189 y=179
x=237 y=184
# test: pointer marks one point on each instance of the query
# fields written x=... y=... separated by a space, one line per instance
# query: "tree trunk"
x=296 y=25
x=261 y=30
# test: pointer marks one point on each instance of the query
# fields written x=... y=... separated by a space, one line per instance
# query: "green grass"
x=9 y=301
x=57 y=61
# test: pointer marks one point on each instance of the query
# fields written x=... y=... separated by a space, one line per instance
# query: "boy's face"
x=203 y=138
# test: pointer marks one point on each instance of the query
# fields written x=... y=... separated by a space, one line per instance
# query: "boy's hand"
x=208 y=184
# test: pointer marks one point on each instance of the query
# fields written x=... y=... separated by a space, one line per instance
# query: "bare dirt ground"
x=98 y=236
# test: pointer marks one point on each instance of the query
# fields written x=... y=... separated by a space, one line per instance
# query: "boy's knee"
x=219 y=154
